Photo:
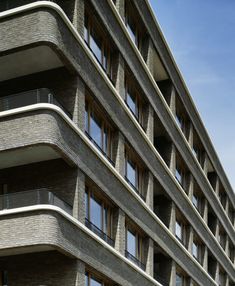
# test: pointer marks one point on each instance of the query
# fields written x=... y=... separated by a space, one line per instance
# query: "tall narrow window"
x=179 y=174
x=97 y=42
x=179 y=230
x=195 y=201
x=134 y=245
x=92 y=280
x=132 y=24
x=98 y=129
x=98 y=216
x=133 y=172
x=195 y=250
x=133 y=101
x=4 y=278
x=179 y=280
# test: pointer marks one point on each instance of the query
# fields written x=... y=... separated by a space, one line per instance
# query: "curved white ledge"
x=55 y=7
x=57 y=109
x=81 y=227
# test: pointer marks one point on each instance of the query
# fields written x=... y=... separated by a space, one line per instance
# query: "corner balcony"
x=32 y=198
x=31 y=128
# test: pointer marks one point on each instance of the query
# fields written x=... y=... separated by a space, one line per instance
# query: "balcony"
x=32 y=198
x=134 y=260
x=31 y=97
x=99 y=232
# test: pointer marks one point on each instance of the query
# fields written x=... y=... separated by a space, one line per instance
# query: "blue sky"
x=201 y=36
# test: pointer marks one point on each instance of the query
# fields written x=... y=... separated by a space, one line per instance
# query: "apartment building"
x=107 y=174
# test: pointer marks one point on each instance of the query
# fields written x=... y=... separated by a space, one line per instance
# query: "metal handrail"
x=99 y=232
x=31 y=198
x=42 y=95
x=135 y=260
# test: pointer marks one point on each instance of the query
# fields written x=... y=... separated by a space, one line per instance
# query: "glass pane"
x=105 y=141
x=179 y=121
x=95 y=282
x=131 y=29
x=96 y=46
x=96 y=213
x=87 y=205
x=131 y=102
x=86 y=35
x=178 y=175
x=131 y=243
x=105 y=226
x=86 y=120
x=195 y=201
x=96 y=131
x=87 y=280
x=179 y=280
x=178 y=230
x=131 y=174
x=195 y=250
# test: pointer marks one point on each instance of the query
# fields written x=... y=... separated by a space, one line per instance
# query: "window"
x=133 y=101
x=195 y=201
x=179 y=280
x=195 y=250
x=92 y=280
x=97 y=42
x=132 y=24
x=179 y=230
x=98 y=215
x=134 y=243
x=180 y=121
x=179 y=174
x=97 y=128
x=133 y=172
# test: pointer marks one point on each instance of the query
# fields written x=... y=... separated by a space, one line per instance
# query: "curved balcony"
x=32 y=198
x=42 y=95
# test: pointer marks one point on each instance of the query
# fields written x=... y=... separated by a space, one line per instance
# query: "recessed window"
x=92 y=280
x=179 y=280
x=133 y=101
x=4 y=278
x=179 y=230
x=195 y=201
x=132 y=24
x=134 y=246
x=195 y=250
x=179 y=121
x=97 y=128
x=133 y=172
x=97 y=42
x=98 y=215
x=179 y=174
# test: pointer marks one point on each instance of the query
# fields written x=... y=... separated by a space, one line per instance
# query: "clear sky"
x=201 y=36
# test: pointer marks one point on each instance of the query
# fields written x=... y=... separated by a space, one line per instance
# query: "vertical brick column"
x=190 y=135
x=172 y=218
x=227 y=280
x=120 y=5
x=190 y=239
x=120 y=231
x=173 y=159
x=150 y=257
x=227 y=245
x=80 y=279
x=217 y=273
x=119 y=152
x=148 y=54
x=227 y=205
x=148 y=123
x=79 y=210
x=205 y=164
x=217 y=186
x=79 y=107
x=79 y=16
x=119 y=74
x=191 y=187
x=149 y=189
x=172 y=102
x=205 y=259
x=172 y=277
x=205 y=211
x=217 y=229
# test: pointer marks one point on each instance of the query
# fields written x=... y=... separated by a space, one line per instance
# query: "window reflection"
x=97 y=42
x=97 y=128
x=131 y=243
